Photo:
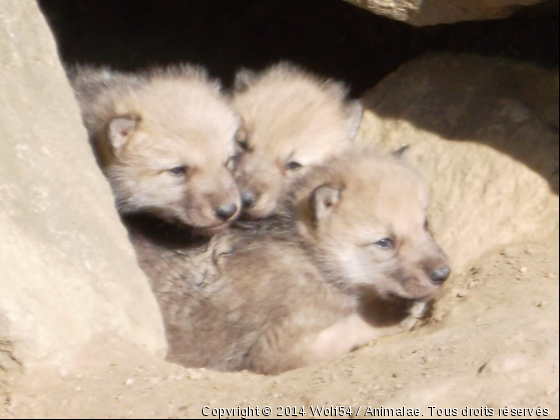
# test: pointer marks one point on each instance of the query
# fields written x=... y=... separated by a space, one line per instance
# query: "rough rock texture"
x=485 y=132
x=433 y=12
x=68 y=273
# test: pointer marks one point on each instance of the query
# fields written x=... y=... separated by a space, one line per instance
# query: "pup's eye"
x=231 y=164
x=294 y=166
x=386 y=244
x=242 y=140
x=427 y=224
x=241 y=135
x=178 y=171
x=242 y=146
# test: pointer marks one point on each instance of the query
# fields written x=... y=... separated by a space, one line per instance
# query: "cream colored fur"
x=309 y=284
x=291 y=121
x=145 y=126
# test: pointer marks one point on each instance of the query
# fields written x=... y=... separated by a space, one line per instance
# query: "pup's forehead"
x=183 y=109
x=371 y=217
x=170 y=149
x=382 y=190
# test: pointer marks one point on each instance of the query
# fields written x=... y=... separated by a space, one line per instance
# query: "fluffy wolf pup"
x=345 y=261
x=165 y=140
x=291 y=121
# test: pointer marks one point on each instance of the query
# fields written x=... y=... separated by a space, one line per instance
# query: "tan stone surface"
x=485 y=133
x=433 y=12
x=68 y=273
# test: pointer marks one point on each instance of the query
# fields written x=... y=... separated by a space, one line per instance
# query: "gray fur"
x=272 y=298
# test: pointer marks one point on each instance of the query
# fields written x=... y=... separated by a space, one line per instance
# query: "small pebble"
x=462 y=294
x=524 y=270
x=508 y=253
x=129 y=382
x=194 y=375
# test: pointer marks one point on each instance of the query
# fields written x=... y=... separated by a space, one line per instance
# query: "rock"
x=487 y=150
x=69 y=275
x=546 y=10
x=433 y=12
x=462 y=294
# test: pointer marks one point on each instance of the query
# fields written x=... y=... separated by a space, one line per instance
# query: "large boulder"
x=433 y=12
x=69 y=278
x=485 y=133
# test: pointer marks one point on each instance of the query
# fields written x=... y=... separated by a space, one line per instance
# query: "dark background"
x=329 y=37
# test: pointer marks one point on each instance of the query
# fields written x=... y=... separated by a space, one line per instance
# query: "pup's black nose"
x=440 y=275
x=248 y=199
x=226 y=212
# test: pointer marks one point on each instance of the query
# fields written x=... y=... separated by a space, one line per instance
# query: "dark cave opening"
x=329 y=37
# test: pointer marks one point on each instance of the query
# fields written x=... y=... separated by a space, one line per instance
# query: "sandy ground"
x=492 y=342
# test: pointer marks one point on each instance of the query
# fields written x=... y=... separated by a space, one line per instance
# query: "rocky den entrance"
x=80 y=334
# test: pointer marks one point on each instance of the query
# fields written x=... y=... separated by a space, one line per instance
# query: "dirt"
x=491 y=342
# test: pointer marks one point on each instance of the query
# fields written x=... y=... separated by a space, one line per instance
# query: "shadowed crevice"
x=330 y=37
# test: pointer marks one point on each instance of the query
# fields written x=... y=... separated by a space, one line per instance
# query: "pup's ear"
x=244 y=79
x=323 y=201
x=403 y=153
x=121 y=129
x=355 y=111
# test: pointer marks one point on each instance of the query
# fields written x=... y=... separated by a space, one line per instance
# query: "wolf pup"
x=165 y=141
x=343 y=263
x=291 y=121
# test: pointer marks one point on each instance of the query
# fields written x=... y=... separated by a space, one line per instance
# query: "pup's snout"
x=226 y=212
x=248 y=200
x=440 y=275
